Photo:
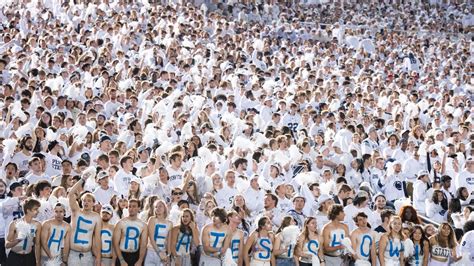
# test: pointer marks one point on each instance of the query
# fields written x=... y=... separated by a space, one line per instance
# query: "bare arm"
x=382 y=246
x=117 y=235
x=67 y=242
x=277 y=247
x=426 y=250
x=354 y=242
x=96 y=239
x=143 y=243
x=272 y=258
x=173 y=240
x=240 y=260
x=151 y=230
x=72 y=196
x=38 y=244
x=12 y=240
x=247 y=247
x=44 y=238
x=373 y=252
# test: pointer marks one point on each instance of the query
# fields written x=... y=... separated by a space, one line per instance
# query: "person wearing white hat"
x=104 y=192
x=393 y=184
x=324 y=204
x=420 y=189
x=107 y=252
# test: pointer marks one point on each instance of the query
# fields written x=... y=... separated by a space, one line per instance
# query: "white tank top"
x=55 y=240
x=365 y=244
x=234 y=247
x=183 y=245
x=26 y=245
x=393 y=248
x=440 y=253
x=310 y=249
x=161 y=234
x=290 y=249
x=106 y=242
x=131 y=232
x=417 y=258
x=263 y=249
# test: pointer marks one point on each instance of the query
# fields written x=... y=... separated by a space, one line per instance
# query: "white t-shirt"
x=53 y=165
x=122 y=181
x=225 y=197
x=465 y=179
x=176 y=177
x=104 y=196
x=467 y=245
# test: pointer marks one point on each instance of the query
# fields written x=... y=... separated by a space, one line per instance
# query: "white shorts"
x=107 y=261
x=333 y=260
x=152 y=258
x=80 y=258
x=254 y=262
x=207 y=260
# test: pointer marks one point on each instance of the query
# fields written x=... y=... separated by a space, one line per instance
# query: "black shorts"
x=15 y=259
x=130 y=258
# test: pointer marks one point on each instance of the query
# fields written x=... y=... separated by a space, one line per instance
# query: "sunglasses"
x=178 y=193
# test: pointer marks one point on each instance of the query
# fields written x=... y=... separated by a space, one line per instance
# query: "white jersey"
x=291 y=121
x=467 y=245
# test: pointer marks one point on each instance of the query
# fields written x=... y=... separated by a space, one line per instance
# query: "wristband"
x=121 y=260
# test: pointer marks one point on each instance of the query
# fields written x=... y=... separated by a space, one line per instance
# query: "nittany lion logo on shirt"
x=398 y=185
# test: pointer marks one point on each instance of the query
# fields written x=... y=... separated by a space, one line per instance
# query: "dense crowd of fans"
x=237 y=133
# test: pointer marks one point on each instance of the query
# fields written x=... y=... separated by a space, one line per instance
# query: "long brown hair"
x=305 y=232
x=451 y=241
x=186 y=229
